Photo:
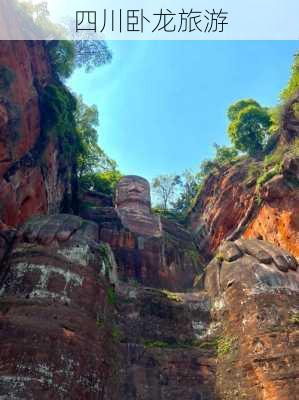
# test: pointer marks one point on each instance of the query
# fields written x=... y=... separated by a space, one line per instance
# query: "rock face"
x=34 y=176
x=65 y=333
x=277 y=220
x=55 y=342
x=159 y=354
x=255 y=291
x=225 y=204
x=271 y=215
x=116 y=304
x=148 y=249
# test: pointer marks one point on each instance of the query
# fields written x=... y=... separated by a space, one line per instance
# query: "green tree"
x=165 y=187
x=90 y=54
x=238 y=106
x=292 y=87
x=103 y=182
x=224 y=154
x=58 y=107
x=35 y=17
x=90 y=155
x=248 y=127
x=190 y=184
x=62 y=55
x=65 y=55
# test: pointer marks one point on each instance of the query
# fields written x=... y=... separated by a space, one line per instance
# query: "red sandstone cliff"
x=76 y=325
x=34 y=178
x=227 y=209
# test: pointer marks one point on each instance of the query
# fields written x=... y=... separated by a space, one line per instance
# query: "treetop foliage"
x=292 y=87
x=165 y=187
x=90 y=155
x=65 y=55
x=102 y=181
x=249 y=128
x=238 y=106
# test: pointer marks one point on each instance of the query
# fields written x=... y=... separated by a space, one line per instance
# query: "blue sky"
x=163 y=104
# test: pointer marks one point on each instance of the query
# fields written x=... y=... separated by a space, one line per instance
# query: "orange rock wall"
x=278 y=223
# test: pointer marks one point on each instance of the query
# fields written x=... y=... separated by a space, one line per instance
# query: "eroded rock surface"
x=160 y=353
x=66 y=333
x=35 y=172
x=277 y=220
x=255 y=290
x=55 y=341
x=224 y=204
x=231 y=206
x=80 y=319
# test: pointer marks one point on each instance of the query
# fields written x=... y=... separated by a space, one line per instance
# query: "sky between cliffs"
x=163 y=104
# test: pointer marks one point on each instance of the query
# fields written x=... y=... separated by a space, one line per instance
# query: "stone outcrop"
x=225 y=203
x=254 y=287
x=55 y=317
x=231 y=206
x=277 y=220
x=159 y=351
x=70 y=328
x=35 y=177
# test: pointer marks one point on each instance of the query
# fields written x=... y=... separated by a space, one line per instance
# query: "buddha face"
x=133 y=191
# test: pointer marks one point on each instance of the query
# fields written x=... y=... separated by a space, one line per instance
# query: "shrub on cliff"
x=62 y=55
x=58 y=107
x=90 y=155
x=191 y=184
x=293 y=84
x=104 y=182
x=75 y=124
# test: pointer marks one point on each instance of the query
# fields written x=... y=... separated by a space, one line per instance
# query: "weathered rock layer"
x=35 y=177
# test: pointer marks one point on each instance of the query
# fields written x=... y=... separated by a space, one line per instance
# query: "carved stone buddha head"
x=133 y=204
x=133 y=194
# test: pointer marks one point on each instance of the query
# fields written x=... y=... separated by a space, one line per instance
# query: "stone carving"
x=133 y=204
x=254 y=289
x=254 y=264
x=52 y=296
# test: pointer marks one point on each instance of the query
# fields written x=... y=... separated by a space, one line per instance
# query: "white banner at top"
x=149 y=19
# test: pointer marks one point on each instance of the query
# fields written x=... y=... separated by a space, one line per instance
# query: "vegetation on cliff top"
x=65 y=55
x=75 y=124
x=96 y=171
x=253 y=133
x=65 y=114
